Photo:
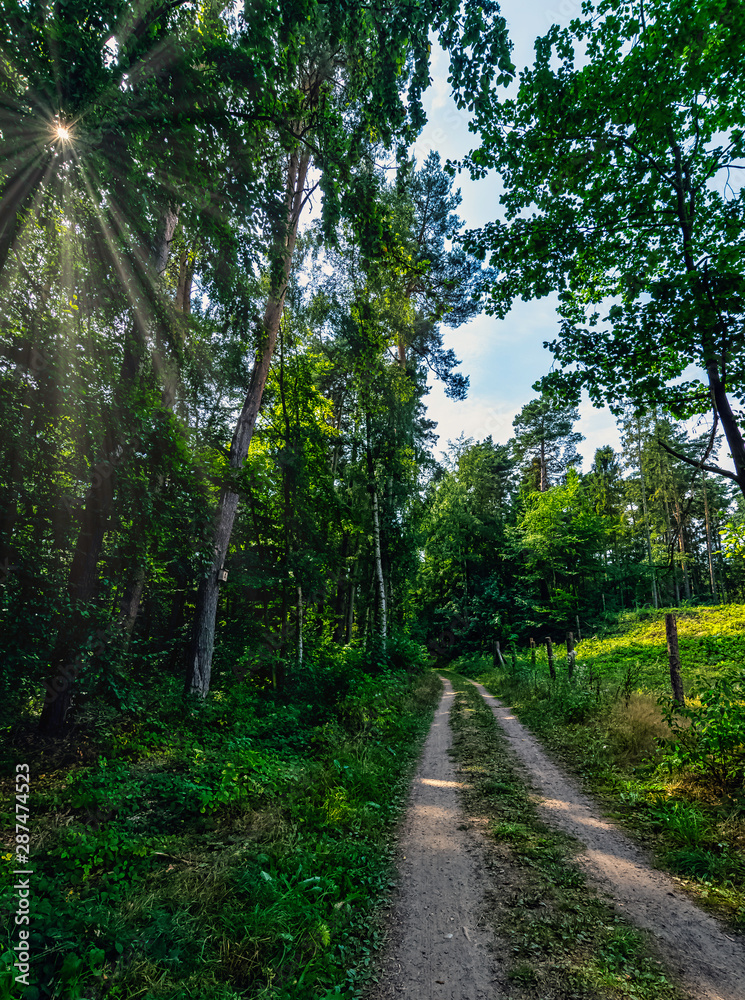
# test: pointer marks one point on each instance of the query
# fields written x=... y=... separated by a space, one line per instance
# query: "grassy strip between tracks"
x=558 y=939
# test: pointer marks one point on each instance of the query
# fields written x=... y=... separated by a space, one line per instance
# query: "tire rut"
x=440 y=946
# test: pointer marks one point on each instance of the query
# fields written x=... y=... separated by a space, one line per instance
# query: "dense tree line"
x=519 y=543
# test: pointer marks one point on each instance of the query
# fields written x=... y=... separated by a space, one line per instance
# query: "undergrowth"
x=559 y=939
x=236 y=849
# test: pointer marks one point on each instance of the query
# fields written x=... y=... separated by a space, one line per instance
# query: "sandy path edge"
x=439 y=947
x=709 y=964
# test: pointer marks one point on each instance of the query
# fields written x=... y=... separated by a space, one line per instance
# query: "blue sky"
x=502 y=357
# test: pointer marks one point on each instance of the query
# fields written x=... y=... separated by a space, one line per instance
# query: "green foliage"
x=580 y=147
x=710 y=737
x=254 y=826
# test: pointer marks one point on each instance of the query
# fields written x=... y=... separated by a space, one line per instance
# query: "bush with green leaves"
x=710 y=738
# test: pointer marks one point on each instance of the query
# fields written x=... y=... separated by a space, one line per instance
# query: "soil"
x=439 y=940
x=440 y=944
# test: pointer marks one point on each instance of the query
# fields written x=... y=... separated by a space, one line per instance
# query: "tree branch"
x=698 y=464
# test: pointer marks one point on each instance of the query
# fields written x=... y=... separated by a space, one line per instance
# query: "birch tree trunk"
x=199 y=663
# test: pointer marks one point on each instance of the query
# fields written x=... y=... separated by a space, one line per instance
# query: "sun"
x=60 y=131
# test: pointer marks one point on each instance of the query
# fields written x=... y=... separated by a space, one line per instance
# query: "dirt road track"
x=709 y=964
x=438 y=946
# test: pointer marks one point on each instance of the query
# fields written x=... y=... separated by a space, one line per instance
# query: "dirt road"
x=438 y=939
x=441 y=947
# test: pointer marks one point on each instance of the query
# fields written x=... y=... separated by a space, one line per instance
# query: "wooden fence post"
x=498 y=658
x=570 y=653
x=550 y=654
x=673 y=655
x=532 y=652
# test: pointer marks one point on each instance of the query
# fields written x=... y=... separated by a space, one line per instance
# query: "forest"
x=232 y=543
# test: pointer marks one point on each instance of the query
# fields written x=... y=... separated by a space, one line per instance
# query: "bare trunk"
x=712 y=578
x=544 y=470
x=729 y=423
x=199 y=666
x=350 y=611
x=379 y=577
x=130 y=603
x=299 y=626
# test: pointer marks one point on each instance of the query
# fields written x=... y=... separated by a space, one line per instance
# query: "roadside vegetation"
x=556 y=937
x=236 y=848
x=672 y=775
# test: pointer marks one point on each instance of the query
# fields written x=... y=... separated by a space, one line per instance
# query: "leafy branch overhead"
x=621 y=159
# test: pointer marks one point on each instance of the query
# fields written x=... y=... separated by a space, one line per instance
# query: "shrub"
x=710 y=737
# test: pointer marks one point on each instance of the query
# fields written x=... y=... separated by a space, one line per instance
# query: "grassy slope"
x=712 y=645
x=605 y=725
x=240 y=850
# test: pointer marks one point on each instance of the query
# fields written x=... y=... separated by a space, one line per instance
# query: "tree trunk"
x=299 y=626
x=676 y=681
x=350 y=610
x=729 y=423
x=199 y=666
x=544 y=470
x=130 y=603
x=379 y=577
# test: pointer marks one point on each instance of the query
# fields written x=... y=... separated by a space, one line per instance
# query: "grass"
x=712 y=645
x=557 y=939
x=236 y=850
x=606 y=725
